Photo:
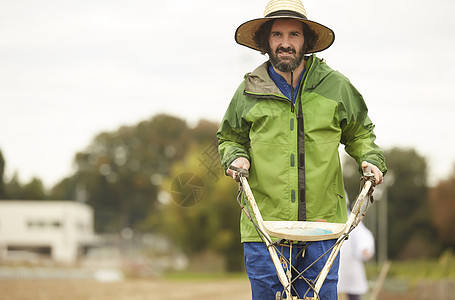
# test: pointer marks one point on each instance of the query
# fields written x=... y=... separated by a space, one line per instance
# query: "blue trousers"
x=264 y=279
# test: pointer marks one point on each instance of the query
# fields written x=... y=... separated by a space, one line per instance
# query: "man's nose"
x=286 y=42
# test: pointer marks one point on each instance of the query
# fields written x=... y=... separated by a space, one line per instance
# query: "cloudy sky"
x=70 y=69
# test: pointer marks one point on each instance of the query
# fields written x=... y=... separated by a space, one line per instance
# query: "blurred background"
x=108 y=112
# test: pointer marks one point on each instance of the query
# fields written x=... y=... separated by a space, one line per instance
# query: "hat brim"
x=244 y=35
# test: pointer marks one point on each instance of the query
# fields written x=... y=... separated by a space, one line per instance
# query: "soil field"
x=174 y=289
x=45 y=289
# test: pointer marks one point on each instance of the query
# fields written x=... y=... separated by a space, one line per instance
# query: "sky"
x=71 y=69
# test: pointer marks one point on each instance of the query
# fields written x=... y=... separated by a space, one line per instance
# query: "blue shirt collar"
x=281 y=83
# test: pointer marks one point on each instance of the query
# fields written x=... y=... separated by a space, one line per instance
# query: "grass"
x=409 y=272
x=422 y=269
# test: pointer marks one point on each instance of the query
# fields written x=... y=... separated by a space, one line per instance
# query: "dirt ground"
x=25 y=289
x=154 y=289
x=220 y=289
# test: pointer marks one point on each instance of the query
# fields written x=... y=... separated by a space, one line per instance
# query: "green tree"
x=125 y=176
x=118 y=171
x=34 y=190
x=410 y=232
x=2 y=171
x=14 y=188
x=118 y=167
x=210 y=225
x=442 y=200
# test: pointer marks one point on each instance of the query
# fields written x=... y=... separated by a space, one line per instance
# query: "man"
x=284 y=124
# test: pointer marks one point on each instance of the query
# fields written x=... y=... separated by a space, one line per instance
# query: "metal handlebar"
x=239 y=172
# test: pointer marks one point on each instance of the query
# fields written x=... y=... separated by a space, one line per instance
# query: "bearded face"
x=288 y=62
x=286 y=44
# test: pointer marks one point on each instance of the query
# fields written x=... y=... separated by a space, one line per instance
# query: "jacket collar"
x=259 y=82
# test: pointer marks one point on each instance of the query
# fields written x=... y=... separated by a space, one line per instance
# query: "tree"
x=119 y=173
x=210 y=224
x=114 y=173
x=410 y=232
x=34 y=190
x=2 y=171
x=133 y=178
x=442 y=200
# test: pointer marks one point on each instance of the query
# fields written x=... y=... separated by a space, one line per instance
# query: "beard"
x=286 y=65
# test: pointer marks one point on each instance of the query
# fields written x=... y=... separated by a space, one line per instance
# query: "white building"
x=62 y=229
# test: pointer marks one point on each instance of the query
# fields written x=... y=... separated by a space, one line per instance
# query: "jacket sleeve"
x=233 y=133
x=357 y=129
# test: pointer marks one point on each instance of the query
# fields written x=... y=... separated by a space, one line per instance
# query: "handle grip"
x=239 y=172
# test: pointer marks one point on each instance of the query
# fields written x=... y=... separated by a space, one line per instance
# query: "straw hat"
x=276 y=9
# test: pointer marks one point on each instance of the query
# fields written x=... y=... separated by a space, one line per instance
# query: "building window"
x=44 y=224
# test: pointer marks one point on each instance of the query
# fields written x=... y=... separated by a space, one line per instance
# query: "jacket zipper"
x=292 y=93
x=292 y=89
x=301 y=152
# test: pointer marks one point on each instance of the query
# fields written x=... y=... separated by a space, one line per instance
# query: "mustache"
x=282 y=49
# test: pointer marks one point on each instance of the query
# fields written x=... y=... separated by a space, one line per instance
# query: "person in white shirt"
x=356 y=250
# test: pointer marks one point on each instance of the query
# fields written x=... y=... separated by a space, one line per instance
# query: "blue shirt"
x=281 y=83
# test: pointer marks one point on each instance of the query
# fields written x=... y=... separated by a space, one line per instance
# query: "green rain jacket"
x=295 y=171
